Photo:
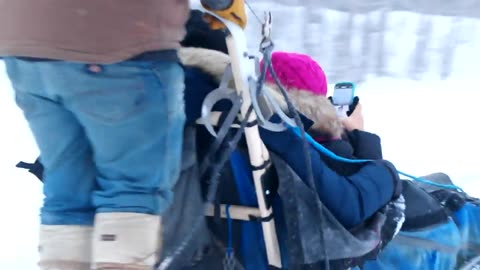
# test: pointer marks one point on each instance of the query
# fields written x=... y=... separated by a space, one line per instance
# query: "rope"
x=332 y=155
x=306 y=154
x=229 y=262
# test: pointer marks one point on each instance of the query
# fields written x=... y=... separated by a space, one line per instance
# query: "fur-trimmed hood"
x=317 y=108
x=211 y=62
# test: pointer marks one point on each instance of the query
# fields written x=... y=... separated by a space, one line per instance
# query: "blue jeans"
x=110 y=136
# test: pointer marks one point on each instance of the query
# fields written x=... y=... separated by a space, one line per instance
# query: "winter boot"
x=65 y=247
x=126 y=241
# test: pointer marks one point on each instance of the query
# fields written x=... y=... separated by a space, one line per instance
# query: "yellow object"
x=235 y=13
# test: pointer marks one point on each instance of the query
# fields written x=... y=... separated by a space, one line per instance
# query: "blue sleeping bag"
x=468 y=223
x=429 y=249
x=252 y=251
x=443 y=247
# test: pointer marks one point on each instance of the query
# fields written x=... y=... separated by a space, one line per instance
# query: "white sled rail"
x=243 y=68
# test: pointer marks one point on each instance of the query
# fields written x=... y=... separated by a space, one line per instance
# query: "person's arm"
x=350 y=199
x=365 y=145
x=341 y=148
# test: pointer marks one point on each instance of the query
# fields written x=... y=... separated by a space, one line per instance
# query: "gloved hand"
x=352 y=107
x=232 y=10
x=354 y=120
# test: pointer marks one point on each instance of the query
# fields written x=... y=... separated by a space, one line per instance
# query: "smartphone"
x=343 y=94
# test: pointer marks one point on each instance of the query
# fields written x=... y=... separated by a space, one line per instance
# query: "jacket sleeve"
x=355 y=145
x=351 y=199
x=366 y=145
x=341 y=148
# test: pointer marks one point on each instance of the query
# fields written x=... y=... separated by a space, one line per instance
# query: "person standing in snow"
x=101 y=87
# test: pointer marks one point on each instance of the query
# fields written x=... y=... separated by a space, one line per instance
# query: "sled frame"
x=243 y=68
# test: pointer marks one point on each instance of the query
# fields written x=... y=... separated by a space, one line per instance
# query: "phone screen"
x=343 y=94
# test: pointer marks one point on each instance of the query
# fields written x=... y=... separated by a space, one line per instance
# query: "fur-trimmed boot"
x=65 y=247
x=126 y=241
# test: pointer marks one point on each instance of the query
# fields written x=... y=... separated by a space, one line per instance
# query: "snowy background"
x=418 y=83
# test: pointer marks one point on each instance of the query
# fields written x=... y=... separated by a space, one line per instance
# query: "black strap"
x=225 y=126
x=264 y=165
x=24 y=165
x=35 y=168
x=261 y=219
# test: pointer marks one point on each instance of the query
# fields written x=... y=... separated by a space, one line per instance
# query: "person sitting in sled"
x=205 y=67
x=345 y=137
x=428 y=208
x=367 y=191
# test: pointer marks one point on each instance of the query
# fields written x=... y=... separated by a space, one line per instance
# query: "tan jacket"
x=98 y=31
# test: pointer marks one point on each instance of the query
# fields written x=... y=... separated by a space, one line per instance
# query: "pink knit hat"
x=298 y=71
